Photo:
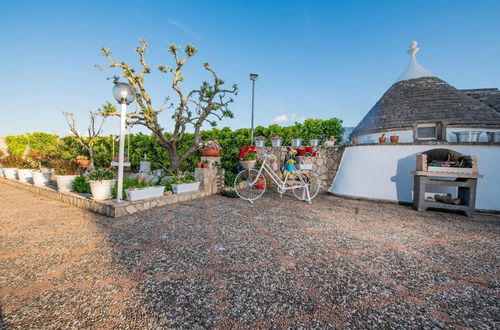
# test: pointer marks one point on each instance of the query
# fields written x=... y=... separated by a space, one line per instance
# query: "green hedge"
x=142 y=144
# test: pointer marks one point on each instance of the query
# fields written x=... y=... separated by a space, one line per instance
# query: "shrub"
x=101 y=174
x=67 y=167
x=11 y=161
x=81 y=184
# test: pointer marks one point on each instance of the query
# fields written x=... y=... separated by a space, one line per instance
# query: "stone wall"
x=325 y=164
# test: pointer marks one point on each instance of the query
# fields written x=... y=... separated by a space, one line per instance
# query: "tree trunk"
x=90 y=149
x=175 y=161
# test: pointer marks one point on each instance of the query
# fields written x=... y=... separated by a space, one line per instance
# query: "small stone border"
x=108 y=208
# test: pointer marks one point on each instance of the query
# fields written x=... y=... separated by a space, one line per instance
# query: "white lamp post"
x=253 y=78
x=123 y=94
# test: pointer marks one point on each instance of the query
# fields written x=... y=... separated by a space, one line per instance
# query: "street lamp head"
x=254 y=76
x=123 y=93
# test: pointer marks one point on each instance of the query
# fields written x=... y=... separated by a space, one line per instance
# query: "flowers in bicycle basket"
x=259 y=185
x=305 y=152
x=290 y=162
x=247 y=153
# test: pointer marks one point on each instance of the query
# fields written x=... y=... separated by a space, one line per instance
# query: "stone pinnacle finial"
x=413 y=70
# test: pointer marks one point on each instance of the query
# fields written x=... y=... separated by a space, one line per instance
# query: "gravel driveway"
x=221 y=263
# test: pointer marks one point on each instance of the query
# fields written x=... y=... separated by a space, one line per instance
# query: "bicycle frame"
x=280 y=183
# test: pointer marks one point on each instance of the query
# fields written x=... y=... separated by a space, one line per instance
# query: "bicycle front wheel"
x=249 y=185
x=311 y=179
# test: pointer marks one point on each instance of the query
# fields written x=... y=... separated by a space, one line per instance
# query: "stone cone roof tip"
x=413 y=70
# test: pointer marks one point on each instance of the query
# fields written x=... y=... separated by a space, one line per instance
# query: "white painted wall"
x=450 y=137
x=405 y=136
x=383 y=172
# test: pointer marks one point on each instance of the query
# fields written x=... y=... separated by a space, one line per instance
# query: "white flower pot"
x=101 y=190
x=308 y=167
x=10 y=173
x=276 y=143
x=329 y=143
x=260 y=143
x=185 y=187
x=1 y=171
x=296 y=142
x=41 y=178
x=65 y=182
x=136 y=194
x=25 y=175
x=314 y=143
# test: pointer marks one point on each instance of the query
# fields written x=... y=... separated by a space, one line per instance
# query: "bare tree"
x=205 y=104
x=93 y=131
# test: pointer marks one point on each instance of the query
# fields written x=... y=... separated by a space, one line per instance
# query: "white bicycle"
x=250 y=184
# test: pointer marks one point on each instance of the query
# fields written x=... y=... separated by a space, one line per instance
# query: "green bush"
x=100 y=174
x=81 y=185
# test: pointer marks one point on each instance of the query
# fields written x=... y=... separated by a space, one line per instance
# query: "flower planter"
x=394 y=138
x=25 y=175
x=137 y=194
x=10 y=173
x=41 y=178
x=276 y=143
x=248 y=164
x=314 y=143
x=125 y=159
x=101 y=190
x=65 y=182
x=260 y=143
x=355 y=141
x=381 y=139
x=296 y=142
x=329 y=143
x=185 y=187
x=308 y=167
x=210 y=152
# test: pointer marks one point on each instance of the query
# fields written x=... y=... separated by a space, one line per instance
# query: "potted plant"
x=382 y=139
x=10 y=165
x=138 y=189
x=81 y=184
x=66 y=171
x=276 y=141
x=248 y=157
x=125 y=158
x=212 y=148
x=25 y=170
x=183 y=184
x=101 y=182
x=354 y=141
x=314 y=142
x=83 y=161
x=205 y=164
x=303 y=158
x=40 y=177
x=394 y=138
x=330 y=142
x=296 y=142
x=260 y=141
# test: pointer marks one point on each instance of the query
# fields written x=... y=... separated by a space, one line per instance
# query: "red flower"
x=309 y=149
x=301 y=152
x=314 y=154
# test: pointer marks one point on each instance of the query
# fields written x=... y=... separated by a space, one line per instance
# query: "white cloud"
x=280 y=119
x=185 y=29
x=284 y=118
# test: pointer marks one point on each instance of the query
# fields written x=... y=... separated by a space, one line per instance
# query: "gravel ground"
x=221 y=263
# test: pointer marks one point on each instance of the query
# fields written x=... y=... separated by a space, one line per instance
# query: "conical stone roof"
x=419 y=97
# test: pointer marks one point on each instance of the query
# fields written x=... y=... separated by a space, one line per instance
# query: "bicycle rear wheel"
x=249 y=185
x=311 y=179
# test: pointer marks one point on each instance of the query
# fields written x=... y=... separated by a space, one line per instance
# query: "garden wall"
x=325 y=164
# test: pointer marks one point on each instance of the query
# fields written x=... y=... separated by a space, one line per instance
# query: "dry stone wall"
x=325 y=164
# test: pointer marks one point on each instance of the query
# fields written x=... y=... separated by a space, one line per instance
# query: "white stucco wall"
x=383 y=172
x=450 y=137
x=405 y=136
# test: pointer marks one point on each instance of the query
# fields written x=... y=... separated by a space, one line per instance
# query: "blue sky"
x=316 y=59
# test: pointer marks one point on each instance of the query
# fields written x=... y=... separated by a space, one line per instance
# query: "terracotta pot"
x=206 y=165
x=200 y=165
x=125 y=159
x=394 y=138
x=210 y=152
x=247 y=164
x=382 y=139
x=355 y=141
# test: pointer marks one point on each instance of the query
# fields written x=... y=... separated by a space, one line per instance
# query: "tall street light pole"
x=253 y=78
x=124 y=94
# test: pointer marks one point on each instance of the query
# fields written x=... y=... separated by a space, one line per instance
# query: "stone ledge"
x=108 y=208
